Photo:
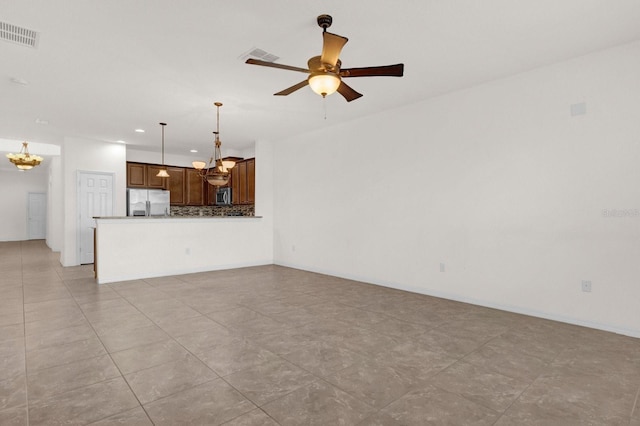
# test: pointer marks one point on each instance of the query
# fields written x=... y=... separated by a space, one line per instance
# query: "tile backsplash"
x=243 y=210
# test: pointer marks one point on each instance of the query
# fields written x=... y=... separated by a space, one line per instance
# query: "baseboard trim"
x=479 y=302
x=142 y=276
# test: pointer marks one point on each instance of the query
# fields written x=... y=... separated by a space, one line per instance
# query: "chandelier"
x=217 y=171
x=24 y=160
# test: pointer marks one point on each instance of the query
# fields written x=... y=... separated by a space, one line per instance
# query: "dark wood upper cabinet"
x=241 y=176
x=235 y=182
x=251 y=181
x=136 y=175
x=186 y=186
x=140 y=175
x=195 y=190
x=176 y=182
x=154 y=181
x=243 y=186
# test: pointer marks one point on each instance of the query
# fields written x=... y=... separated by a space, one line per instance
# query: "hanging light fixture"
x=324 y=83
x=23 y=160
x=217 y=172
x=163 y=171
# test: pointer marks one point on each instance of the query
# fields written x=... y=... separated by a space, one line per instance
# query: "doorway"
x=95 y=199
x=37 y=216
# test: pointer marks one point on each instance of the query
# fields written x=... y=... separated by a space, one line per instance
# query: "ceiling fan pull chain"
x=324 y=107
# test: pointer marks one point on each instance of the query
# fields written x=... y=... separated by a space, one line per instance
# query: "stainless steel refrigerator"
x=147 y=202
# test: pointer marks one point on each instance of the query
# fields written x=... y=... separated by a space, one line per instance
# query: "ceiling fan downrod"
x=324 y=22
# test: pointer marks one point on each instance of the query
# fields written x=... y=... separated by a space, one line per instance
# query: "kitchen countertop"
x=177 y=217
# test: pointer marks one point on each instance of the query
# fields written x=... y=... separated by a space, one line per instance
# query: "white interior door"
x=95 y=198
x=37 y=216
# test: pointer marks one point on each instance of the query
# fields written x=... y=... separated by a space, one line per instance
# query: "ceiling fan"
x=325 y=72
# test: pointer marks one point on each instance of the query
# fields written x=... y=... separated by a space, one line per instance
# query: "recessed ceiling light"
x=194 y=150
x=43 y=122
x=140 y=130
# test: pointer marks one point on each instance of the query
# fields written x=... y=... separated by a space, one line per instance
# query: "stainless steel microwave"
x=223 y=197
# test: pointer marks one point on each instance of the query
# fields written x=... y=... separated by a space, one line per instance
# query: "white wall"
x=14 y=189
x=88 y=156
x=55 y=205
x=183 y=160
x=138 y=248
x=155 y=157
x=264 y=181
x=499 y=182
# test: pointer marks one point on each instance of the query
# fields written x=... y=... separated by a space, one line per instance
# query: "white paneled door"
x=95 y=198
x=37 y=215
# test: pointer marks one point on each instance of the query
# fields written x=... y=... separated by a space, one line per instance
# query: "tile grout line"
x=24 y=336
x=243 y=414
x=173 y=338
x=635 y=405
x=528 y=386
x=219 y=377
x=110 y=357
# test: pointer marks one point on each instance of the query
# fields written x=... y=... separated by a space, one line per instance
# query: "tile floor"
x=277 y=346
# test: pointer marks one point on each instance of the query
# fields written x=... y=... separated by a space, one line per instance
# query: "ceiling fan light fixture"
x=324 y=83
x=325 y=71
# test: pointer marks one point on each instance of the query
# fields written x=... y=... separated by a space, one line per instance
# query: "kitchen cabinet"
x=251 y=180
x=194 y=188
x=186 y=186
x=176 y=181
x=154 y=181
x=243 y=186
x=136 y=175
x=239 y=183
x=140 y=175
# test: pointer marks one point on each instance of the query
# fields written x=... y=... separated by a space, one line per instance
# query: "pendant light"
x=163 y=171
x=23 y=160
x=217 y=172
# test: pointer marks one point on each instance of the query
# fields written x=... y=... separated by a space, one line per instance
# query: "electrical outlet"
x=442 y=267
x=586 y=286
x=187 y=250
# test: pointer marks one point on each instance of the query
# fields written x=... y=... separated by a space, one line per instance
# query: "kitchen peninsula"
x=128 y=248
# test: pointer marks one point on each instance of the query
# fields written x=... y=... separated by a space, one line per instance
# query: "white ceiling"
x=105 y=68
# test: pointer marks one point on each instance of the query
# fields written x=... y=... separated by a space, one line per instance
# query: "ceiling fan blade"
x=348 y=93
x=292 y=89
x=396 y=70
x=331 y=47
x=274 y=65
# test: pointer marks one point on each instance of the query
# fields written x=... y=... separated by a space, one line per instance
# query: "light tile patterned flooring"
x=277 y=346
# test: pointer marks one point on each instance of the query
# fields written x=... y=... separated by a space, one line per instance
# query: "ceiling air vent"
x=19 y=35
x=259 y=54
